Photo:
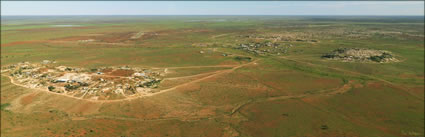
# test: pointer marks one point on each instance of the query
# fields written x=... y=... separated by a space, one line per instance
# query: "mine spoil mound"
x=361 y=55
x=104 y=83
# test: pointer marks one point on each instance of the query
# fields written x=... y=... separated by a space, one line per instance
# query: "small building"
x=86 y=40
x=125 y=67
x=62 y=80
x=139 y=74
x=61 y=68
x=46 y=62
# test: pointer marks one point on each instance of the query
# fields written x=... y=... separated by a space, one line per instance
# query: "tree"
x=51 y=88
x=376 y=58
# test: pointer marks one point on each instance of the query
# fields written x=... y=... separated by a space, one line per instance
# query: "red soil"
x=22 y=42
x=74 y=38
x=52 y=29
x=107 y=70
x=375 y=84
x=122 y=72
x=115 y=37
x=42 y=69
x=28 y=99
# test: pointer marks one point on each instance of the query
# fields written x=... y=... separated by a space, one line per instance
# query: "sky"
x=212 y=8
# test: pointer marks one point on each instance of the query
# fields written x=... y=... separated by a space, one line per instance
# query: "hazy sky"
x=212 y=8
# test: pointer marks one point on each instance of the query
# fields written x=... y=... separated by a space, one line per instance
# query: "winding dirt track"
x=210 y=75
x=359 y=74
x=216 y=73
x=215 y=66
x=339 y=90
x=191 y=76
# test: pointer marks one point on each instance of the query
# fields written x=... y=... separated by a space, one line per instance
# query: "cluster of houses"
x=281 y=38
x=86 y=40
x=265 y=48
x=119 y=81
x=360 y=55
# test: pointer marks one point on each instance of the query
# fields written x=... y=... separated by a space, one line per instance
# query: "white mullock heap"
x=74 y=80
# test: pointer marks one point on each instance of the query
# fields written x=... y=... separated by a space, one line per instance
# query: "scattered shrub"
x=4 y=106
x=324 y=127
x=51 y=88
x=239 y=58
x=71 y=87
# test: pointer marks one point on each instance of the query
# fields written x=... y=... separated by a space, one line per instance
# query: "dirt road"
x=216 y=73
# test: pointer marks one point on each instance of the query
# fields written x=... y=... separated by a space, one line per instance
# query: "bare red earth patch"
x=52 y=29
x=22 y=42
x=28 y=99
x=74 y=38
x=122 y=72
x=115 y=37
x=375 y=84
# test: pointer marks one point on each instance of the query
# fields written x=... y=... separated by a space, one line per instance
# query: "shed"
x=62 y=80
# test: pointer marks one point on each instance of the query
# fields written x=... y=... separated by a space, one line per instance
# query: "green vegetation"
x=225 y=90
x=381 y=57
x=51 y=88
x=238 y=58
x=71 y=87
x=4 y=106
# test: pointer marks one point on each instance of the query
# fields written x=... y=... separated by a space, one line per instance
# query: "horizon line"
x=216 y=15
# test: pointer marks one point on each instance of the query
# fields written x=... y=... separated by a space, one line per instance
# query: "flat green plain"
x=294 y=94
